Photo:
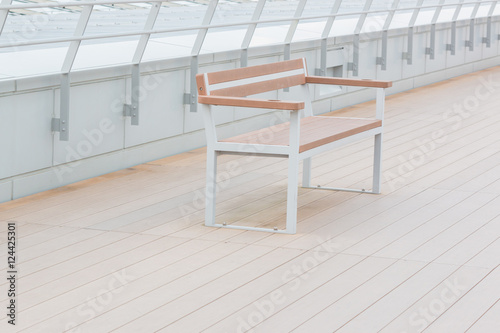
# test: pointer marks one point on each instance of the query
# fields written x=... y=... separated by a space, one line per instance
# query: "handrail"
x=199 y=27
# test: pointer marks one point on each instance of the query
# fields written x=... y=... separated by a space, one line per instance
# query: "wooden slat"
x=200 y=83
x=251 y=103
x=349 y=82
x=254 y=71
x=314 y=132
x=260 y=87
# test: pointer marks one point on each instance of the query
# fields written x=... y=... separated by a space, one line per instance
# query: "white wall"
x=102 y=140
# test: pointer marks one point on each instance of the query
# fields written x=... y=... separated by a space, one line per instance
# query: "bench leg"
x=377 y=164
x=211 y=188
x=306 y=173
x=292 y=194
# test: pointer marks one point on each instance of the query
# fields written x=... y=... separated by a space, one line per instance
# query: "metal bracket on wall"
x=470 y=43
x=190 y=98
x=319 y=72
x=408 y=55
x=487 y=40
x=452 y=46
x=382 y=59
x=430 y=51
x=61 y=124
x=132 y=109
x=353 y=66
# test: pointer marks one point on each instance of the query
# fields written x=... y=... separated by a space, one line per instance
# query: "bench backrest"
x=253 y=80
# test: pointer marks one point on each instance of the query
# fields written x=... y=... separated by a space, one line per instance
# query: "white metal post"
x=293 y=173
x=195 y=51
x=250 y=31
x=211 y=180
x=382 y=60
x=361 y=21
x=377 y=153
x=324 y=37
x=306 y=172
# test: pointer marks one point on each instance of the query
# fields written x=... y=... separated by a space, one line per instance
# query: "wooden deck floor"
x=127 y=252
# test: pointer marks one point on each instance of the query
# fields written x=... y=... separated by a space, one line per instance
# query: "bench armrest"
x=251 y=103
x=348 y=82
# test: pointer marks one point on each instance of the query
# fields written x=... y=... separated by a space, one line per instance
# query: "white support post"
x=470 y=42
x=432 y=44
x=293 y=174
x=211 y=179
x=324 y=36
x=354 y=65
x=211 y=187
x=453 y=40
x=306 y=172
x=408 y=55
x=377 y=151
x=487 y=40
x=143 y=41
x=75 y=45
x=382 y=60
x=61 y=124
x=250 y=31
x=190 y=98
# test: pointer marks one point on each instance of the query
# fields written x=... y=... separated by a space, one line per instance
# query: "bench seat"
x=315 y=131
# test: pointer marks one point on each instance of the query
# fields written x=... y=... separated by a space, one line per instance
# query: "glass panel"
x=446 y=14
x=169 y=45
x=223 y=39
x=374 y=22
x=268 y=34
x=483 y=10
x=105 y=52
x=309 y=29
x=25 y=25
x=401 y=19
x=30 y=60
x=466 y=12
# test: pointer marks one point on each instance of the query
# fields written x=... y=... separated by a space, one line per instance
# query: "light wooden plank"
x=262 y=293
x=260 y=87
x=435 y=300
x=378 y=315
x=441 y=207
x=254 y=71
x=488 y=257
x=489 y=322
x=130 y=312
x=421 y=235
x=470 y=307
x=445 y=240
x=348 y=82
x=304 y=301
x=344 y=309
x=473 y=244
x=135 y=270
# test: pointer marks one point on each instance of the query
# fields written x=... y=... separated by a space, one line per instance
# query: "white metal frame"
x=216 y=148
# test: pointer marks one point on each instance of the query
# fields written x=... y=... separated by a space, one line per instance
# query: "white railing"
x=87 y=8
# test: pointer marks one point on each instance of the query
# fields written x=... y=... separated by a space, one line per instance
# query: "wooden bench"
x=299 y=139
